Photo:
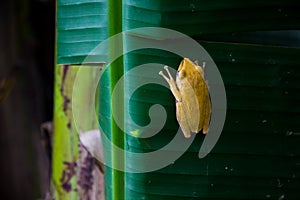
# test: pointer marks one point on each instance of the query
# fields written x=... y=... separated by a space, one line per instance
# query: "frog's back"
x=201 y=119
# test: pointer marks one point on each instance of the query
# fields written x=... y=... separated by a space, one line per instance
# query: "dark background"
x=27 y=57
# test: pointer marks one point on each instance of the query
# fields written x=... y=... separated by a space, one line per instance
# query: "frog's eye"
x=182 y=74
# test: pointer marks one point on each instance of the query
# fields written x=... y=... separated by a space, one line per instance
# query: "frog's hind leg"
x=207 y=115
x=182 y=119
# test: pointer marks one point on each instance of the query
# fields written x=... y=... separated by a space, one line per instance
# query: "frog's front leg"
x=172 y=84
x=180 y=110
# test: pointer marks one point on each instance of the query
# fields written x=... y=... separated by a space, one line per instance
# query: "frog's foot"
x=168 y=79
x=164 y=76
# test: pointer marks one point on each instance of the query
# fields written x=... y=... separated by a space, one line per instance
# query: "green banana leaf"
x=257 y=156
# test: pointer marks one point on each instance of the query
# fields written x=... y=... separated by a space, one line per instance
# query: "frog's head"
x=187 y=69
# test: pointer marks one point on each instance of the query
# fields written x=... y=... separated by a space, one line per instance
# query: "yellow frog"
x=193 y=107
